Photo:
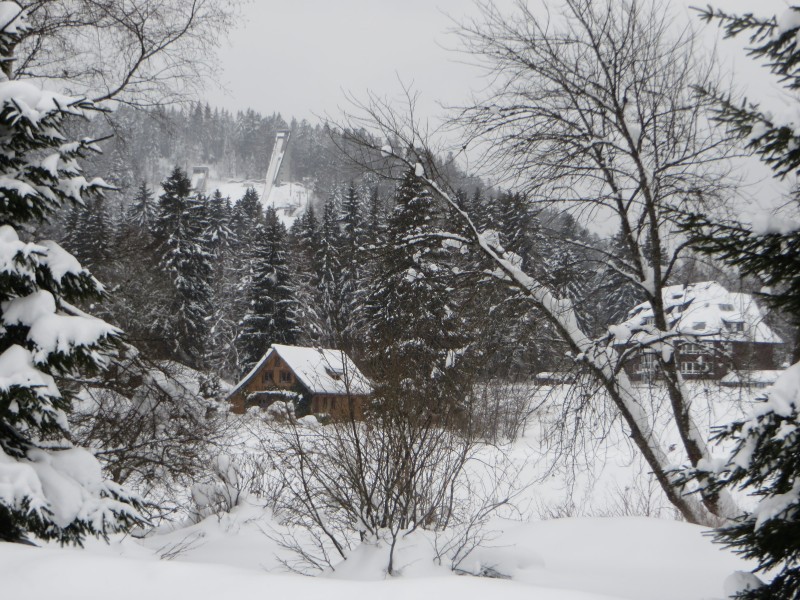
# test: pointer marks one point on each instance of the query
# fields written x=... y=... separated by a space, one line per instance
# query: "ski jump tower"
x=275 y=161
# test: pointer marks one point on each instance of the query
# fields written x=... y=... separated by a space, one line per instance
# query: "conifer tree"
x=304 y=245
x=516 y=223
x=51 y=489
x=219 y=234
x=328 y=276
x=184 y=256
x=415 y=331
x=765 y=460
x=616 y=292
x=143 y=211
x=271 y=316
x=351 y=253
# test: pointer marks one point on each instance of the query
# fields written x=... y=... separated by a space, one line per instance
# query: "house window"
x=734 y=327
x=647 y=363
x=699 y=325
x=286 y=377
x=266 y=376
x=649 y=321
x=277 y=362
x=690 y=349
x=693 y=367
x=726 y=307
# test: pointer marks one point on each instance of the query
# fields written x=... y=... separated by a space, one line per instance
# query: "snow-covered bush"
x=48 y=487
x=234 y=479
x=153 y=428
x=348 y=483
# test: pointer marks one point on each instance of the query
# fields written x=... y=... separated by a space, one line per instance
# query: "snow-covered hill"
x=289 y=199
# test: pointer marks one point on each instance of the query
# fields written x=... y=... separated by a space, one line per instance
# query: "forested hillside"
x=245 y=281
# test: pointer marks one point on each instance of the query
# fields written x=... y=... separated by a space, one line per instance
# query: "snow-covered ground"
x=289 y=199
x=604 y=555
x=231 y=557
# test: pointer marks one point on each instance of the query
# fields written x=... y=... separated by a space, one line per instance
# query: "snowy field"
x=561 y=559
x=573 y=537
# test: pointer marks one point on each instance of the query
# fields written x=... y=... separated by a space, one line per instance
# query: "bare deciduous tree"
x=594 y=110
x=348 y=481
x=138 y=52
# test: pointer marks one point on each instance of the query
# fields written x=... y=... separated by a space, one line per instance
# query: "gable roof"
x=319 y=370
x=709 y=311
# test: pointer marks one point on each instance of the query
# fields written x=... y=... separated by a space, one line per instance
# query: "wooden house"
x=716 y=332
x=317 y=380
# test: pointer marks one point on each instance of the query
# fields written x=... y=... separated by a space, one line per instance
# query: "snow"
x=765 y=223
x=320 y=370
x=10 y=19
x=61 y=333
x=290 y=200
x=236 y=553
x=783 y=398
x=51 y=332
x=16 y=369
x=231 y=557
x=67 y=483
x=755 y=378
x=706 y=310
x=788 y=20
x=740 y=582
x=33 y=102
x=59 y=261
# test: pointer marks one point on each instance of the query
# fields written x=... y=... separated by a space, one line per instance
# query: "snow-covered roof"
x=706 y=310
x=319 y=370
x=751 y=377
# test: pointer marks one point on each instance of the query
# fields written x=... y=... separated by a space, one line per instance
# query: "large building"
x=318 y=380
x=716 y=332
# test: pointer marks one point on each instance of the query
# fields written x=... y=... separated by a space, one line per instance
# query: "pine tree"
x=765 y=459
x=143 y=211
x=415 y=331
x=184 y=256
x=352 y=254
x=328 y=276
x=51 y=488
x=304 y=246
x=219 y=234
x=271 y=317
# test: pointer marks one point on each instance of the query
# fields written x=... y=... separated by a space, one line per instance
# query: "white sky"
x=298 y=57
x=301 y=57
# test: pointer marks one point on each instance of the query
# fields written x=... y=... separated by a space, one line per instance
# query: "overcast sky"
x=300 y=57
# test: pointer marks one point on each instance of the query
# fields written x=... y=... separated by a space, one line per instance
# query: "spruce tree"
x=416 y=333
x=328 y=276
x=271 y=316
x=143 y=210
x=765 y=460
x=185 y=258
x=51 y=489
x=219 y=234
x=304 y=245
x=352 y=254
